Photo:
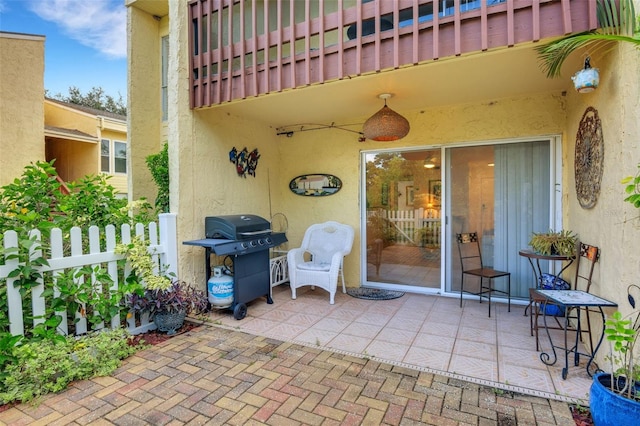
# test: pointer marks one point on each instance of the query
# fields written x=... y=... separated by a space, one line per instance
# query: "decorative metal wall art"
x=246 y=162
x=589 y=158
x=315 y=185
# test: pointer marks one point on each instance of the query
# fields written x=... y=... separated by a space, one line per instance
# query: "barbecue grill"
x=246 y=239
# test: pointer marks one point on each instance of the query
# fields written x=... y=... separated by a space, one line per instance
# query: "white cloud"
x=99 y=24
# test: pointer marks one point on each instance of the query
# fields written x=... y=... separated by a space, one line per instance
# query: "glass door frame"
x=363 y=223
x=555 y=215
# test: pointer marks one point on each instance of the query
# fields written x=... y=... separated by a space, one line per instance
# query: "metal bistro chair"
x=471 y=263
x=585 y=263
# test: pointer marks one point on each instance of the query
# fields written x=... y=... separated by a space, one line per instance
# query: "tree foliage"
x=96 y=98
x=35 y=201
x=158 y=165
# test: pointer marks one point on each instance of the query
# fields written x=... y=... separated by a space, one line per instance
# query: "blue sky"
x=86 y=41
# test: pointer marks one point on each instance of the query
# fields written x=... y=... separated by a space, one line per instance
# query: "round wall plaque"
x=589 y=158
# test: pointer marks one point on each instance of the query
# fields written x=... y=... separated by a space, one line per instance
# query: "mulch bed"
x=155 y=337
x=581 y=415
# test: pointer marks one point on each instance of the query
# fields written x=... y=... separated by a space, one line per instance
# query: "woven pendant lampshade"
x=386 y=124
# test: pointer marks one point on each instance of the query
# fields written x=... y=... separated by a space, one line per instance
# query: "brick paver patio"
x=215 y=376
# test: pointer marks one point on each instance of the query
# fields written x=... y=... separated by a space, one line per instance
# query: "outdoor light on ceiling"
x=386 y=124
x=429 y=164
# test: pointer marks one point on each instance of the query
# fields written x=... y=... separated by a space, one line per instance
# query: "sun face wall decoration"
x=589 y=159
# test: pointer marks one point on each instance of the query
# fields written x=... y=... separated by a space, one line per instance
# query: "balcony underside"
x=237 y=72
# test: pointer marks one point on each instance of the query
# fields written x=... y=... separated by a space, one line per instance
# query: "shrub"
x=49 y=366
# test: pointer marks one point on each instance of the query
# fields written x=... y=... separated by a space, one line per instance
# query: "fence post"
x=168 y=240
x=14 y=300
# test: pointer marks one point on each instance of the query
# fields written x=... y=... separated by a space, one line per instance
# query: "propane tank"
x=220 y=289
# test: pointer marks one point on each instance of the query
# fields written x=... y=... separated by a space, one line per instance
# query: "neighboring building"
x=83 y=141
x=21 y=103
x=86 y=141
x=492 y=146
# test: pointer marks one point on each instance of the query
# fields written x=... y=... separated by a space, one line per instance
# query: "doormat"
x=373 y=293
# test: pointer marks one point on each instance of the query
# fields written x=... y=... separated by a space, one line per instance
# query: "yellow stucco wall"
x=76 y=159
x=208 y=184
x=613 y=225
x=21 y=103
x=73 y=160
x=61 y=116
x=143 y=97
x=204 y=181
x=338 y=153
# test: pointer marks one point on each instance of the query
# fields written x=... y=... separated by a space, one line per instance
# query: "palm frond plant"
x=617 y=24
x=561 y=243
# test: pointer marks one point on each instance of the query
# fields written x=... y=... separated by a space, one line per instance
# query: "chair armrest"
x=297 y=255
x=336 y=260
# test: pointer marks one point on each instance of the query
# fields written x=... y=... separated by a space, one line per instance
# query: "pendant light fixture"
x=386 y=124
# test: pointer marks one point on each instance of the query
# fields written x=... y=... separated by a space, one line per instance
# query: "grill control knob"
x=261 y=242
x=253 y=243
x=267 y=240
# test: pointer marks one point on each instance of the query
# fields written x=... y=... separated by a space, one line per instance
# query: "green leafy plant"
x=38 y=368
x=617 y=25
x=622 y=333
x=158 y=165
x=561 y=243
x=632 y=187
x=37 y=200
x=87 y=292
x=157 y=293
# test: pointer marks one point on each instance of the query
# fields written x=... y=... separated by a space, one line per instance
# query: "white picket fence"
x=416 y=227
x=162 y=244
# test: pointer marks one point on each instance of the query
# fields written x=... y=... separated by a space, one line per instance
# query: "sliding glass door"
x=402 y=220
x=416 y=201
x=502 y=192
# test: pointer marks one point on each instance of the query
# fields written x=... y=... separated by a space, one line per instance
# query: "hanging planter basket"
x=587 y=79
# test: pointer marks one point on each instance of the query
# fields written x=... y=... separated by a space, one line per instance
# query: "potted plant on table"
x=561 y=243
x=614 y=398
x=166 y=301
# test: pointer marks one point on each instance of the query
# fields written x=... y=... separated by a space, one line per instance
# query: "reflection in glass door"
x=403 y=222
x=503 y=193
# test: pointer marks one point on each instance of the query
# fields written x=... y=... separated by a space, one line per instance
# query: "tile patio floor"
x=431 y=333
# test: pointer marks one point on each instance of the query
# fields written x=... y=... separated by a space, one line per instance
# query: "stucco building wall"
x=204 y=182
x=338 y=153
x=143 y=100
x=612 y=224
x=21 y=89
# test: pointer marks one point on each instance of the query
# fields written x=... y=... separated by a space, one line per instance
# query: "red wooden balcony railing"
x=244 y=48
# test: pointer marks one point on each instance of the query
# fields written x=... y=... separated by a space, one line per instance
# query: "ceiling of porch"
x=481 y=77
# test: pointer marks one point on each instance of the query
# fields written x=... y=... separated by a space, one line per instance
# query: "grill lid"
x=236 y=227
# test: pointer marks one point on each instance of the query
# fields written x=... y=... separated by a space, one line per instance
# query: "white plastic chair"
x=318 y=261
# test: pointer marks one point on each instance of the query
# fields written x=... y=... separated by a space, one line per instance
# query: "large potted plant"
x=614 y=398
x=561 y=243
x=166 y=301
x=168 y=307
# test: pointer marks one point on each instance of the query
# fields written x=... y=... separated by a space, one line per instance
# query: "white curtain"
x=522 y=206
